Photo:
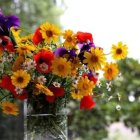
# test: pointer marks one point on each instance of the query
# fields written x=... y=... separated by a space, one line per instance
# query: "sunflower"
x=95 y=59
x=61 y=67
x=119 y=51
x=70 y=39
x=49 y=32
x=85 y=86
x=9 y=108
x=20 y=78
x=110 y=71
x=76 y=95
x=44 y=90
x=24 y=49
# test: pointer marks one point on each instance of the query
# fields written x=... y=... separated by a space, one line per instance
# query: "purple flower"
x=6 y=22
x=85 y=47
x=60 y=52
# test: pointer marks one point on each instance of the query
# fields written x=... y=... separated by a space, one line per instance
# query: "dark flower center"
x=49 y=33
x=118 y=51
x=69 y=39
x=109 y=71
x=20 y=79
x=61 y=67
x=7 y=108
x=94 y=59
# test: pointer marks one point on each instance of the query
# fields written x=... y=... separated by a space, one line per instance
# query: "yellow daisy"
x=25 y=39
x=119 y=51
x=95 y=59
x=76 y=95
x=20 y=78
x=9 y=108
x=110 y=71
x=85 y=86
x=43 y=89
x=49 y=32
x=24 y=49
x=61 y=67
x=70 y=39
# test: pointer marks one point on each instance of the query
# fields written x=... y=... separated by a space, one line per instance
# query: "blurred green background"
x=104 y=122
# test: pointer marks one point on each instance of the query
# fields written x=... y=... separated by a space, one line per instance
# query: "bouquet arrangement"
x=50 y=67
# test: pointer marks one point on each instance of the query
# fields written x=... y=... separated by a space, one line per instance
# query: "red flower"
x=37 y=38
x=84 y=37
x=6 y=44
x=57 y=91
x=87 y=102
x=7 y=84
x=43 y=60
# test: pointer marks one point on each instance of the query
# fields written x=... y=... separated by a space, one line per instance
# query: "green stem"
x=4 y=97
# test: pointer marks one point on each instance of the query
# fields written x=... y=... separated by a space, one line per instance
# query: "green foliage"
x=32 y=12
x=87 y=125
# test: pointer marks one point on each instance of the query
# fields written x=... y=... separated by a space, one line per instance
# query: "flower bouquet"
x=47 y=69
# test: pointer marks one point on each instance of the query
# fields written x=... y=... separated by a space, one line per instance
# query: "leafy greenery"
x=87 y=125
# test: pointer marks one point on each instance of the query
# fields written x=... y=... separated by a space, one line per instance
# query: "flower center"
x=94 y=59
x=20 y=79
x=118 y=51
x=7 y=108
x=69 y=39
x=44 y=67
x=60 y=67
x=109 y=71
x=85 y=86
x=49 y=33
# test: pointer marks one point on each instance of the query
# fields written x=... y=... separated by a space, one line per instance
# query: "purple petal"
x=60 y=52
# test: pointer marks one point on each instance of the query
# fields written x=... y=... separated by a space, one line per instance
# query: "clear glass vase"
x=45 y=121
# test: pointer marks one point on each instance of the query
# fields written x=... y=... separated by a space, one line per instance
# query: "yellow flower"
x=61 y=67
x=16 y=33
x=76 y=95
x=25 y=39
x=76 y=63
x=24 y=49
x=119 y=51
x=95 y=59
x=110 y=71
x=43 y=89
x=20 y=78
x=18 y=63
x=9 y=108
x=70 y=39
x=85 y=86
x=49 y=32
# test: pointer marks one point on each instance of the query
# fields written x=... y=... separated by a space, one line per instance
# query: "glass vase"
x=45 y=121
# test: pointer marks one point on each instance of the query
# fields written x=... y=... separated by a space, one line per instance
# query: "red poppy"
x=84 y=37
x=37 y=37
x=57 y=91
x=6 y=44
x=87 y=103
x=43 y=60
x=7 y=84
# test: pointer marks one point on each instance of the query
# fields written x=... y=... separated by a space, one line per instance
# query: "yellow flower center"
x=94 y=58
x=119 y=51
x=20 y=79
x=49 y=33
x=60 y=67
